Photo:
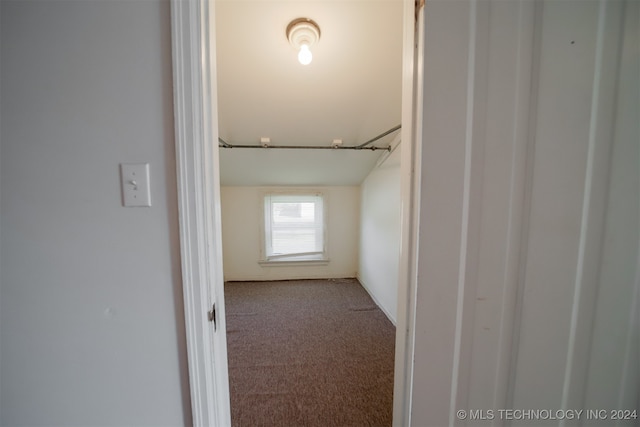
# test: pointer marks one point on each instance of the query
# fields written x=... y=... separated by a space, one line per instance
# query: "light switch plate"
x=136 y=190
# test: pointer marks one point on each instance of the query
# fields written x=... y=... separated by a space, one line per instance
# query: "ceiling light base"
x=303 y=33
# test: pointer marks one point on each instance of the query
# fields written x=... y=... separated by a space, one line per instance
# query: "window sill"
x=302 y=262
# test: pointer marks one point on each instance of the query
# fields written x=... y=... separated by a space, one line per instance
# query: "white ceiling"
x=351 y=90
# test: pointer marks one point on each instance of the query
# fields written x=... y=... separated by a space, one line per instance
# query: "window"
x=294 y=227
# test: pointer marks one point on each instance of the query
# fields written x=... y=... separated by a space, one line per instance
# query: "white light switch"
x=135 y=184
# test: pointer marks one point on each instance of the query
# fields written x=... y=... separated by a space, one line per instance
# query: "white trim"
x=529 y=157
x=594 y=202
x=634 y=321
x=289 y=263
x=466 y=202
x=463 y=131
x=199 y=211
x=301 y=256
x=377 y=301
x=410 y=170
x=579 y=282
x=516 y=238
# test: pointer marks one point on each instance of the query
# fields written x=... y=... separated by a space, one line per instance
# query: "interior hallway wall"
x=91 y=320
x=380 y=220
x=241 y=239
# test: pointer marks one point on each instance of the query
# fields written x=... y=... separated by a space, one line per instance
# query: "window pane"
x=289 y=241
x=293 y=225
x=293 y=212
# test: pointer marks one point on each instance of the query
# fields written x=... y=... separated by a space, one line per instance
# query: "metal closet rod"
x=363 y=146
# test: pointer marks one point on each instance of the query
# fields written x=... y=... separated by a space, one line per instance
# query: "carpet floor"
x=308 y=353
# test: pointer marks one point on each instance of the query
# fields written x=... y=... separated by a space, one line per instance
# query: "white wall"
x=241 y=218
x=527 y=276
x=92 y=328
x=380 y=234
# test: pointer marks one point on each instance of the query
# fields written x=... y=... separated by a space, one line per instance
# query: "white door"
x=576 y=347
x=529 y=224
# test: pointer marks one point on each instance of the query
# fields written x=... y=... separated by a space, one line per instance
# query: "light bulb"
x=305 y=56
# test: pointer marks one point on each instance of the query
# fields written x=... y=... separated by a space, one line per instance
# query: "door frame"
x=198 y=182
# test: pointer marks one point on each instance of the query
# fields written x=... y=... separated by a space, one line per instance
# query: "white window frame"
x=316 y=257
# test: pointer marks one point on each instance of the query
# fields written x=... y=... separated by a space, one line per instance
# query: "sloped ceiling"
x=351 y=90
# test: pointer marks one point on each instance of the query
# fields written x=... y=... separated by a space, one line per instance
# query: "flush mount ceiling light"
x=303 y=33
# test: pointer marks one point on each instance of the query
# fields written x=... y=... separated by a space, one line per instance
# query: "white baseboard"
x=373 y=297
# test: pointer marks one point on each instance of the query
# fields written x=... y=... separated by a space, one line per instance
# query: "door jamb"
x=196 y=130
x=413 y=36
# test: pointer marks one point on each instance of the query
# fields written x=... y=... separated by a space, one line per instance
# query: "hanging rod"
x=363 y=146
x=393 y=129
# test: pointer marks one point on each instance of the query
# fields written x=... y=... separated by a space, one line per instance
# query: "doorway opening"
x=200 y=209
x=285 y=130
